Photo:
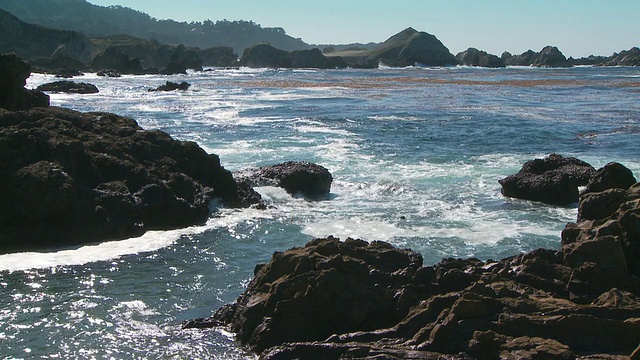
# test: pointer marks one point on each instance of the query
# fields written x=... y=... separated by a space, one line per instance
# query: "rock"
x=182 y=59
x=549 y=56
x=303 y=178
x=219 y=56
x=171 y=86
x=475 y=57
x=69 y=87
x=71 y=178
x=333 y=300
x=115 y=60
x=410 y=47
x=553 y=180
x=629 y=57
x=264 y=55
x=13 y=77
x=109 y=73
x=611 y=176
x=328 y=287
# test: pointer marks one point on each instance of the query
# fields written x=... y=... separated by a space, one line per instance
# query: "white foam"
x=150 y=241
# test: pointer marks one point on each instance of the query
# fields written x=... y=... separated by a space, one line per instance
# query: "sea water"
x=416 y=156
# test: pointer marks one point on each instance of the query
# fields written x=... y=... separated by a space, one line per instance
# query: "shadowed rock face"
x=13 y=77
x=69 y=177
x=69 y=87
x=264 y=55
x=333 y=299
x=411 y=47
x=475 y=57
x=553 y=180
x=295 y=177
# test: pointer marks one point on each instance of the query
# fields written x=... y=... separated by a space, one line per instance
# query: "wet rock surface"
x=352 y=299
x=296 y=177
x=69 y=178
x=69 y=87
x=553 y=180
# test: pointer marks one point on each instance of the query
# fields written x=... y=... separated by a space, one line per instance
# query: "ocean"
x=416 y=155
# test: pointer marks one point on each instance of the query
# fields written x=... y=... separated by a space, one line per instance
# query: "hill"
x=31 y=41
x=99 y=21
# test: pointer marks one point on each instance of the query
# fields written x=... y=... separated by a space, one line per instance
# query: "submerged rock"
x=295 y=177
x=553 y=180
x=69 y=87
x=352 y=299
x=70 y=178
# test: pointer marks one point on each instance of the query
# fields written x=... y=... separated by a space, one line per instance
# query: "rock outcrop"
x=264 y=55
x=629 y=57
x=69 y=87
x=171 y=86
x=115 y=60
x=69 y=178
x=219 y=56
x=410 y=47
x=13 y=77
x=302 y=177
x=549 y=56
x=351 y=299
x=553 y=180
x=475 y=57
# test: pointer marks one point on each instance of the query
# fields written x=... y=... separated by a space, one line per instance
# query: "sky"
x=577 y=27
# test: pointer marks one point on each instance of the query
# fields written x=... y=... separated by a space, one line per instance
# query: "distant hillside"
x=98 y=21
x=32 y=41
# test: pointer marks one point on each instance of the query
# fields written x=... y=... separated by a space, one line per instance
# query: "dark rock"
x=171 y=86
x=303 y=178
x=629 y=57
x=69 y=87
x=552 y=180
x=549 y=56
x=589 y=60
x=328 y=287
x=411 y=47
x=109 y=73
x=611 y=176
x=219 y=56
x=182 y=59
x=264 y=55
x=334 y=300
x=475 y=57
x=13 y=77
x=71 y=178
x=115 y=60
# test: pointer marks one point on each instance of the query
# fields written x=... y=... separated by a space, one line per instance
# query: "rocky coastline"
x=334 y=299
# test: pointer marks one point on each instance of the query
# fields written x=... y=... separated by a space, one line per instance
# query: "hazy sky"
x=577 y=27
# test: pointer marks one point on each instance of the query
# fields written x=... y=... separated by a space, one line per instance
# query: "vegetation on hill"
x=99 y=21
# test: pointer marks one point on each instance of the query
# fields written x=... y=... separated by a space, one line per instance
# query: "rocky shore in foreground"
x=335 y=299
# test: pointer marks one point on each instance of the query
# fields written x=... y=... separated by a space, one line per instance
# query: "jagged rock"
x=552 y=180
x=323 y=300
x=115 y=60
x=611 y=176
x=549 y=56
x=411 y=47
x=182 y=59
x=220 y=56
x=109 y=73
x=13 y=77
x=70 y=178
x=629 y=57
x=264 y=55
x=69 y=87
x=475 y=57
x=171 y=86
x=295 y=177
